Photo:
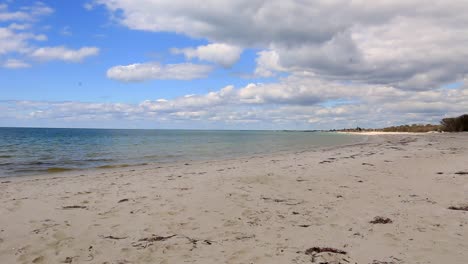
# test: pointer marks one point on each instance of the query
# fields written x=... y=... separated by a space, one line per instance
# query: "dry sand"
x=377 y=133
x=267 y=209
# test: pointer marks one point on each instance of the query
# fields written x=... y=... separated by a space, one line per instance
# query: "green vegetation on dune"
x=453 y=124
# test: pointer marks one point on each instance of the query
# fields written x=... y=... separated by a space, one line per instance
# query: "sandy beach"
x=317 y=206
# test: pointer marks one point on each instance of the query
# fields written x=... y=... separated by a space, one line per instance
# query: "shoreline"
x=273 y=208
x=68 y=172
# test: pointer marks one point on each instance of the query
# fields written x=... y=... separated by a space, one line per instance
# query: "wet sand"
x=383 y=201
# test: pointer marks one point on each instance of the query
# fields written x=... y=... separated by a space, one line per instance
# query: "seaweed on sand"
x=381 y=220
x=148 y=241
x=459 y=208
x=315 y=250
x=74 y=207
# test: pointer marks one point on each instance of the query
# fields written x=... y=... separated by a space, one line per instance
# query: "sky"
x=219 y=64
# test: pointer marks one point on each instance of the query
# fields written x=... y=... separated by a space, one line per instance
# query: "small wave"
x=97 y=160
x=45 y=158
x=114 y=166
x=58 y=169
x=97 y=154
x=6 y=156
x=161 y=156
x=120 y=166
x=34 y=163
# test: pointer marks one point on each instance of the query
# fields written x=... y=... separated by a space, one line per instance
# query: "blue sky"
x=73 y=26
x=231 y=64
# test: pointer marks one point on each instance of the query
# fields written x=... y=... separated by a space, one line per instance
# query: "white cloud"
x=88 y=6
x=406 y=44
x=16 y=36
x=267 y=63
x=327 y=106
x=348 y=62
x=220 y=53
x=16 y=26
x=16 y=64
x=11 y=41
x=225 y=96
x=152 y=71
x=303 y=99
x=19 y=42
x=63 y=53
x=26 y=13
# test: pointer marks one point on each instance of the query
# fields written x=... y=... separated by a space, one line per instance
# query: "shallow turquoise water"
x=26 y=151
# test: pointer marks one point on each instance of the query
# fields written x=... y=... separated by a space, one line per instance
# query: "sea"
x=30 y=151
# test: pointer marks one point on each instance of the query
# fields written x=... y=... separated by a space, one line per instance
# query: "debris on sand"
x=38 y=259
x=315 y=250
x=461 y=172
x=381 y=220
x=274 y=200
x=328 y=255
x=123 y=200
x=68 y=260
x=244 y=237
x=148 y=241
x=285 y=201
x=74 y=207
x=113 y=237
x=155 y=238
x=194 y=242
x=392 y=260
x=459 y=208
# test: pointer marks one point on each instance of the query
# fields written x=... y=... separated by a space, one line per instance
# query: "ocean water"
x=26 y=151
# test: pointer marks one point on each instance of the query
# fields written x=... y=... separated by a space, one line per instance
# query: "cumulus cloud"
x=406 y=44
x=15 y=64
x=27 y=13
x=153 y=71
x=265 y=106
x=63 y=53
x=267 y=63
x=343 y=63
x=19 y=43
x=16 y=26
x=220 y=53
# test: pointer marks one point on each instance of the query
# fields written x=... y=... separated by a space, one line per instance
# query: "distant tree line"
x=453 y=124
x=416 y=128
